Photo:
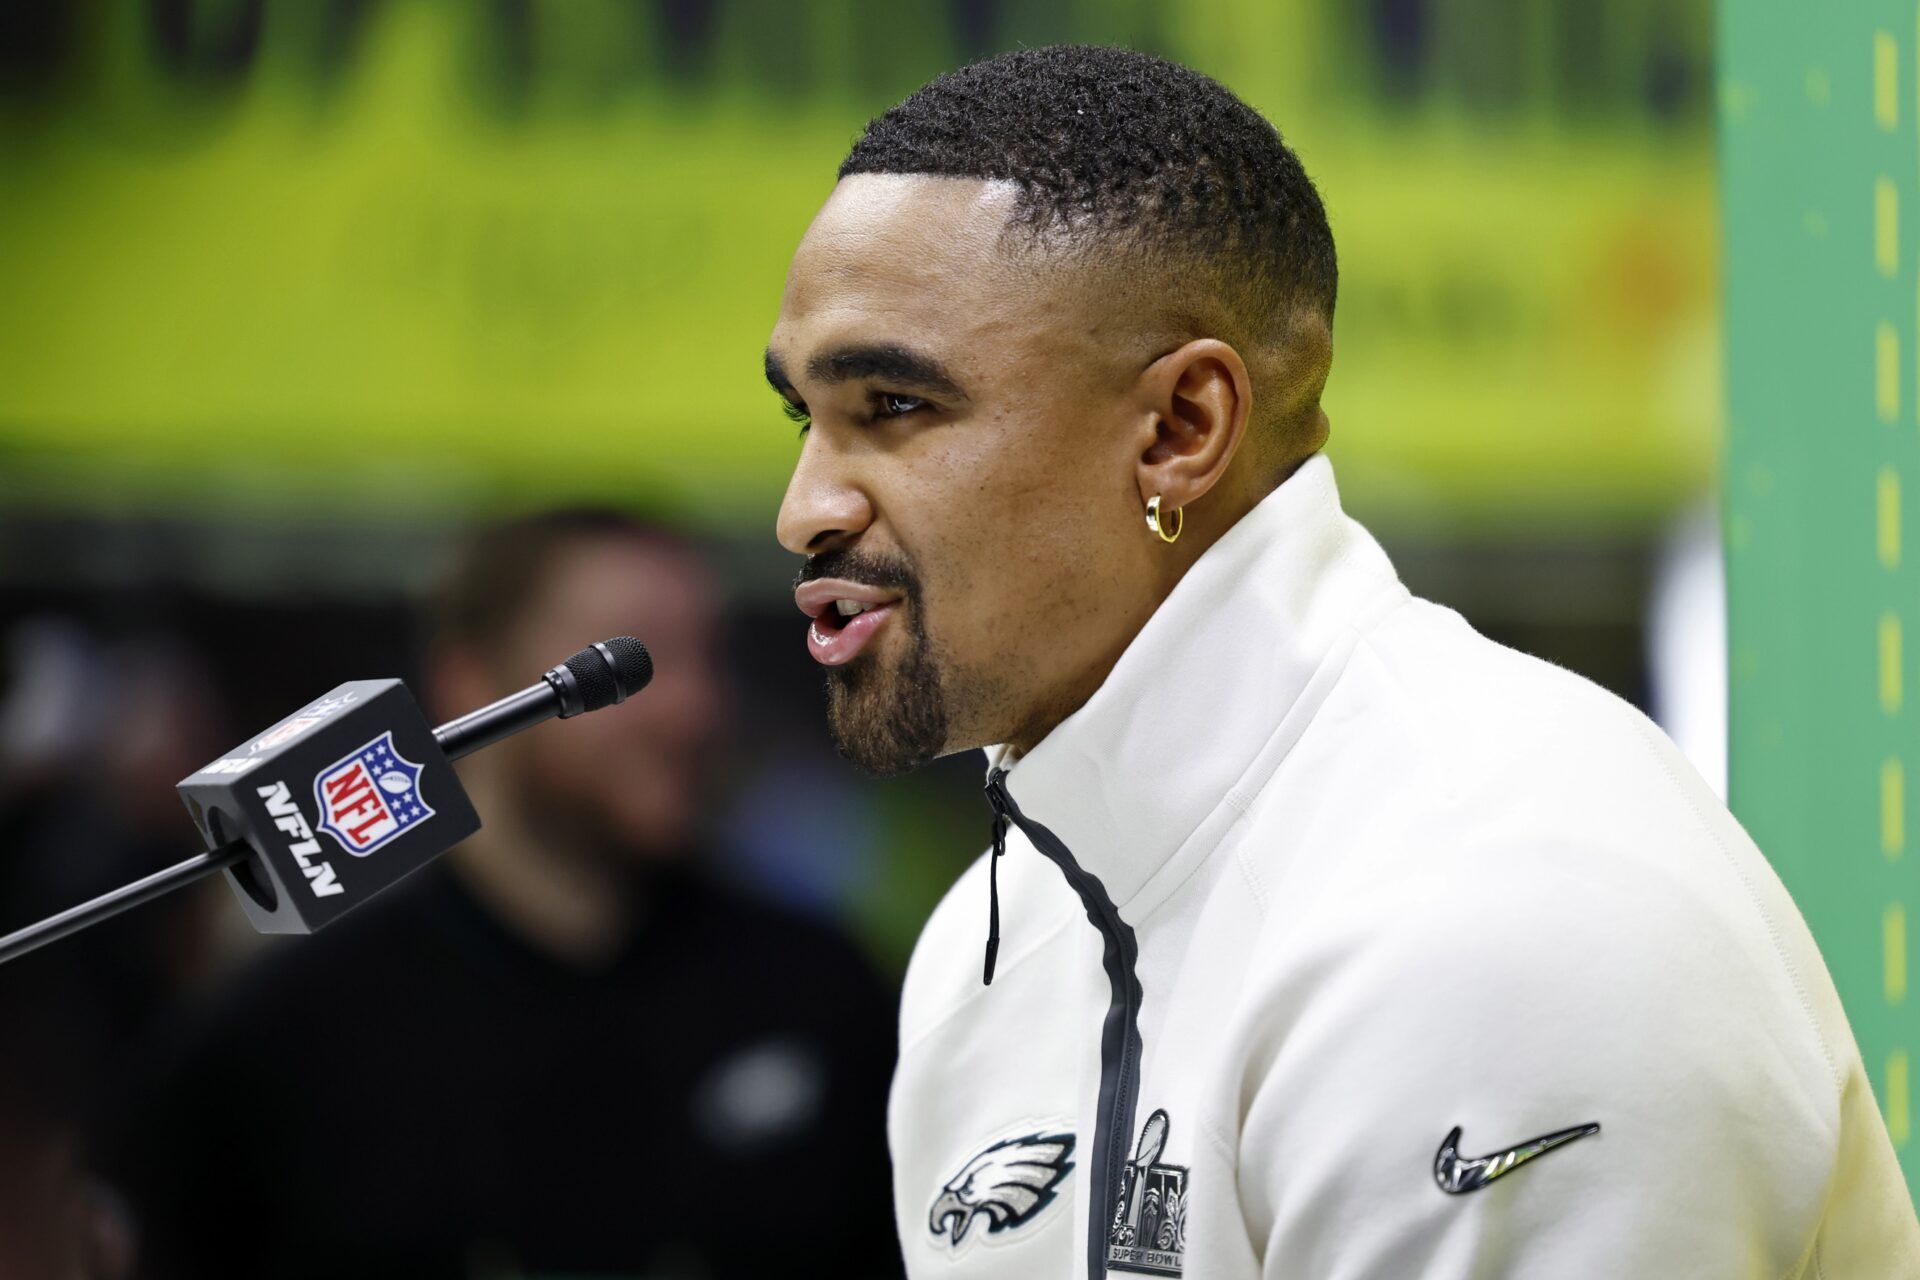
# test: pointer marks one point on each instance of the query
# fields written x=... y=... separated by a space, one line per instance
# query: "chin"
x=889 y=715
x=875 y=746
x=885 y=728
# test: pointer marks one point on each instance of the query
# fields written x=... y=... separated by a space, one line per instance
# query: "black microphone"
x=361 y=768
x=600 y=675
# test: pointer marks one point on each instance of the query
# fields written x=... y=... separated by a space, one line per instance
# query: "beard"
x=889 y=720
x=885 y=719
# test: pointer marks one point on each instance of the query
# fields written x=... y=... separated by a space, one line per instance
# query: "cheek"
x=1013 y=540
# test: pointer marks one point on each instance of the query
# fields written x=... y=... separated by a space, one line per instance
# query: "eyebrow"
x=884 y=360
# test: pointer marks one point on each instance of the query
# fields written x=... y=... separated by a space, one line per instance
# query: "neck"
x=562 y=902
x=1205 y=524
x=1281 y=601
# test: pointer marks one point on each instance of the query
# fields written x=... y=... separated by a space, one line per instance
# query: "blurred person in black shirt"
x=561 y=1050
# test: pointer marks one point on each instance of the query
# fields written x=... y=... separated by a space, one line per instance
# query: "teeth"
x=847 y=608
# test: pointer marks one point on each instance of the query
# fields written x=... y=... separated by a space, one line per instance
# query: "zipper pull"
x=997 y=800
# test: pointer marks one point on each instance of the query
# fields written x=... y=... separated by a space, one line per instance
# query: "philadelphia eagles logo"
x=1007 y=1184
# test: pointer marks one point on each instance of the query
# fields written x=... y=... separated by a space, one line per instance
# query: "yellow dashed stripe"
x=1887 y=525
x=1893 y=952
x=1889 y=663
x=1893 y=808
x=1886 y=227
x=1886 y=360
x=1886 y=80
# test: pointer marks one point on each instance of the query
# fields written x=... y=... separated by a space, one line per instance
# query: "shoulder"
x=1543 y=960
x=1436 y=736
x=1427 y=669
x=1508 y=855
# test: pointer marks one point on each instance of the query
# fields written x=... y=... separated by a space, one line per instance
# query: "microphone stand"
x=74 y=919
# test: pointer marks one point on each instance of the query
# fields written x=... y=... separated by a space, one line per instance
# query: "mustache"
x=891 y=573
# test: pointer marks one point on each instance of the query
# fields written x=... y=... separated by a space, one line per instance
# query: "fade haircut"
x=1126 y=156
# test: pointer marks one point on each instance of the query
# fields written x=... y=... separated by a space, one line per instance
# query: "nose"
x=823 y=508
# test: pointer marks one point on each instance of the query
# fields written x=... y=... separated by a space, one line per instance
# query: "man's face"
x=969 y=471
x=630 y=780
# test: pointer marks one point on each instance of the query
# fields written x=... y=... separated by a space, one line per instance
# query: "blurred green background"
x=342 y=254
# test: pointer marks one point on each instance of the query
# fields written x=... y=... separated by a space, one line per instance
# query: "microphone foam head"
x=611 y=671
x=632 y=664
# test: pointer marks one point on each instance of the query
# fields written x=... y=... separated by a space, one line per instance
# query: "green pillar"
x=1820 y=186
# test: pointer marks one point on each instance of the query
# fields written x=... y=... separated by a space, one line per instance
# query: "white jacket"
x=1321 y=904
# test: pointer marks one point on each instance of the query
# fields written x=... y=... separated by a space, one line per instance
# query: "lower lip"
x=831 y=648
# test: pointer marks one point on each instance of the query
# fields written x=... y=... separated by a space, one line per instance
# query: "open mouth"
x=835 y=637
x=846 y=616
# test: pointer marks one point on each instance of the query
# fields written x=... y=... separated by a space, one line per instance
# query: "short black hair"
x=492 y=578
x=1109 y=144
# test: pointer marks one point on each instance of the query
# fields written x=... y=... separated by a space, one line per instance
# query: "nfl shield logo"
x=370 y=797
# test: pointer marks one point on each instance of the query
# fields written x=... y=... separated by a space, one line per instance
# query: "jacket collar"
x=1197 y=702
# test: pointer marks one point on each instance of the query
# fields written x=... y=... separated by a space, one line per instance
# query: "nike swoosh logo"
x=1457 y=1175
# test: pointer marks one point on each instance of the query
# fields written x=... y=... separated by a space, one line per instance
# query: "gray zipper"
x=1119 y=1034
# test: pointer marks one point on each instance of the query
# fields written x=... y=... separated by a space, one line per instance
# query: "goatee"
x=884 y=720
x=887 y=721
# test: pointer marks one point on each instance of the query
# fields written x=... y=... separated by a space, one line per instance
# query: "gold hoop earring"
x=1153 y=520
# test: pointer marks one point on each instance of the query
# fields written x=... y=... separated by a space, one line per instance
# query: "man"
x=1319 y=914
x=560 y=1050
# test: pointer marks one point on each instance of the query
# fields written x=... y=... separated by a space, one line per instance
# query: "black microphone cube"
x=336 y=802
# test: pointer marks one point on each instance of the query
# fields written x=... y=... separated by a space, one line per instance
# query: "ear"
x=1199 y=399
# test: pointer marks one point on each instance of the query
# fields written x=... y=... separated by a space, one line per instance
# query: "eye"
x=796 y=413
x=889 y=404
